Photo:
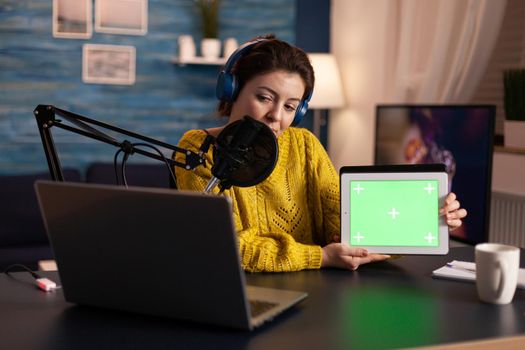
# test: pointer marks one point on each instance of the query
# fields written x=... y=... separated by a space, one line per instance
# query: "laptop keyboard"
x=257 y=307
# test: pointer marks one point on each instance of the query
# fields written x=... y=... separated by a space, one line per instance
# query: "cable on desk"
x=43 y=283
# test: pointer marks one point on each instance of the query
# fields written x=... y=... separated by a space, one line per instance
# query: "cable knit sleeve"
x=275 y=252
x=274 y=234
x=272 y=218
x=197 y=179
x=264 y=248
x=323 y=191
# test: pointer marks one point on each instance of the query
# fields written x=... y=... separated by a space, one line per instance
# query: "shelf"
x=503 y=149
x=201 y=60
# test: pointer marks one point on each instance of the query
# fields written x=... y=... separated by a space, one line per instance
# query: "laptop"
x=153 y=251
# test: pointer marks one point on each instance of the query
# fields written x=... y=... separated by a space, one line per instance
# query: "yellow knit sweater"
x=283 y=221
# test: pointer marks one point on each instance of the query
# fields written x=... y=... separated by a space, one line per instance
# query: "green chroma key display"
x=394 y=213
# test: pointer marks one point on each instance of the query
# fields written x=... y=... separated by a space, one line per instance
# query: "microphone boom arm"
x=45 y=117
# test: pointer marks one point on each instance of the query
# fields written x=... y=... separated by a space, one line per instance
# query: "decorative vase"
x=187 y=49
x=210 y=48
x=514 y=132
x=230 y=45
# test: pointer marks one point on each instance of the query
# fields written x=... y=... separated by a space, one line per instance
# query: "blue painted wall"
x=312 y=25
x=165 y=101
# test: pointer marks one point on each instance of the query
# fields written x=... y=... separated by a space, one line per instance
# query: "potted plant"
x=514 y=102
x=209 y=13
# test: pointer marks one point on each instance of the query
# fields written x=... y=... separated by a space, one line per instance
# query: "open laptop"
x=153 y=251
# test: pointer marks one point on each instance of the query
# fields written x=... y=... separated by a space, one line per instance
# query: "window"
x=509 y=52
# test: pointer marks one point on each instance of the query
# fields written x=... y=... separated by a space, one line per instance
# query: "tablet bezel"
x=395 y=172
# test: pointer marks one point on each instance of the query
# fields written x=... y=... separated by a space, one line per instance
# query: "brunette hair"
x=268 y=56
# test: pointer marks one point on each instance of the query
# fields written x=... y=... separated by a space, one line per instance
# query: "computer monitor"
x=459 y=136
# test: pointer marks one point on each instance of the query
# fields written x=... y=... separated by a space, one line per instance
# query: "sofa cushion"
x=20 y=219
x=146 y=175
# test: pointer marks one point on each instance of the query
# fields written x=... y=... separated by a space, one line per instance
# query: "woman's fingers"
x=353 y=262
x=455 y=205
x=454 y=224
x=451 y=197
x=354 y=252
x=343 y=256
x=458 y=214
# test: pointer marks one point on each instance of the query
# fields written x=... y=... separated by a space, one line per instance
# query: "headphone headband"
x=234 y=57
x=227 y=86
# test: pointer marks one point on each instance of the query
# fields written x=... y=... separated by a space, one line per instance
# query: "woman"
x=290 y=221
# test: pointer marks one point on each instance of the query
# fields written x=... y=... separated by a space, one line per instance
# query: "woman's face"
x=270 y=98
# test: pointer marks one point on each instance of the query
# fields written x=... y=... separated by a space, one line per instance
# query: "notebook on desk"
x=153 y=251
x=466 y=271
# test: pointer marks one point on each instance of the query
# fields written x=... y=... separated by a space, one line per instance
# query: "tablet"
x=394 y=209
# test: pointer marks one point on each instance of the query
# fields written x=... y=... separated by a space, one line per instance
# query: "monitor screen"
x=460 y=137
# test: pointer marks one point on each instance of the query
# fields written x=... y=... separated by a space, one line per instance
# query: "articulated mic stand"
x=46 y=119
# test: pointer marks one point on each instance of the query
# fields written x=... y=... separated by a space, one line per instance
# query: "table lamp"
x=328 y=91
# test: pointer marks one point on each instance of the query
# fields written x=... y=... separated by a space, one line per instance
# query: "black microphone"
x=244 y=154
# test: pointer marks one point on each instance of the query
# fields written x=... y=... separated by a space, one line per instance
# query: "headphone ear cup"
x=300 y=112
x=225 y=88
x=234 y=87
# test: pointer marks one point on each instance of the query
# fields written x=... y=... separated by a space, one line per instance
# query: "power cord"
x=127 y=150
x=115 y=166
x=43 y=283
x=123 y=168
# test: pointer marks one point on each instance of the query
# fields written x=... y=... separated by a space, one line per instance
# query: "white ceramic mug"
x=497 y=267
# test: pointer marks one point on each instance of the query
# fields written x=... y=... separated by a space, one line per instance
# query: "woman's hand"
x=342 y=256
x=452 y=211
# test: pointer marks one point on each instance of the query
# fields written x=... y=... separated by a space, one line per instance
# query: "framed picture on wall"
x=108 y=64
x=121 y=16
x=72 y=19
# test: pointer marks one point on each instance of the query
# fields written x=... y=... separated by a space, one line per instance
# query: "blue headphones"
x=228 y=86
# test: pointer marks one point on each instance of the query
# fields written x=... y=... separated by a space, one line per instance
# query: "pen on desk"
x=462 y=266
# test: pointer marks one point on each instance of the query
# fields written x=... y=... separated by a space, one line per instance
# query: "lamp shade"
x=328 y=90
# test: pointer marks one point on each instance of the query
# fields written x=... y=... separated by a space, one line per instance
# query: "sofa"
x=23 y=239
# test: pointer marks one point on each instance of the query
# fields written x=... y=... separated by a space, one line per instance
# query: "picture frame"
x=72 y=19
x=108 y=64
x=128 y=17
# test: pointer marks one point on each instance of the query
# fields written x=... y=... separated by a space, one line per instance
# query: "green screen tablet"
x=394 y=209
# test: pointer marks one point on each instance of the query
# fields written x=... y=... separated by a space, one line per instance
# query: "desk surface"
x=383 y=305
